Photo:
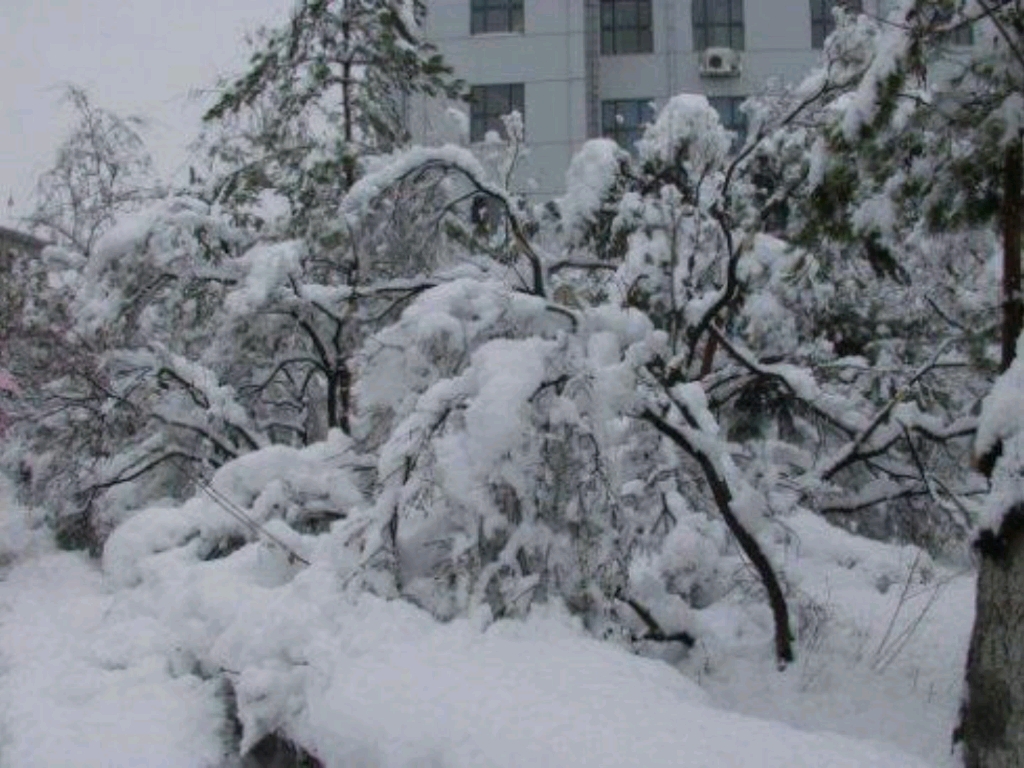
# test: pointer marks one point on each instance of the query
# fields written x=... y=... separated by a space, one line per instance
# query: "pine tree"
x=933 y=135
x=322 y=91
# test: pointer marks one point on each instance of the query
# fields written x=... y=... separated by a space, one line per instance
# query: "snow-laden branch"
x=448 y=160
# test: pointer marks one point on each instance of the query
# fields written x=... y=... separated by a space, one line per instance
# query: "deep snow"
x=93 y=673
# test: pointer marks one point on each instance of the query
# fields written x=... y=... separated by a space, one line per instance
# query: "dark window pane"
x=625 y=14
x=624 y=120
x=822 y=22
x=646 y=42
x=738 y=42
x=646 y=112
x=607 y=42
x=519 y=99
x=631 y=110
x=818 y=35
x=643 y=15
x=489 y=104
x=607 y=117
x=730 y=113
x=625 y=26
x=496 y=16
x=718 y=23
x=718 y=36
x=495 y=100
x=607 y=15
x=625 y=41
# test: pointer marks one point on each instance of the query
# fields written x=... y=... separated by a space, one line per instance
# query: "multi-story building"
x=15 y=244
x=577 y=69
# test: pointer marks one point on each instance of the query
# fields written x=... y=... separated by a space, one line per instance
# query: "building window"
x=489 y=103
x=496 y=16
x=733 y=118
x=823 y=22
x=718 y=24
x=626 y=27
x=962 y=34
x=624 y=120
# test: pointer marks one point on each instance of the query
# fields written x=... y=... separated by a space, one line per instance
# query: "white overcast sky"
x=142 y=57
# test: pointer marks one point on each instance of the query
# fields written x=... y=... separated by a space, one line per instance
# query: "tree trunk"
x=1013 y=306
x=348 y=161
x=992 y=717
x=992 y=727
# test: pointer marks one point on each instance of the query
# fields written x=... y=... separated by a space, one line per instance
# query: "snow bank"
x=84 y=688
x=882 y=640
x=129 y=668
x=540 y=695
x=116 y=671
x=93 y=680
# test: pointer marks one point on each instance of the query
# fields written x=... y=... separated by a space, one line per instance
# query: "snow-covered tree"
x=739 y=393
x=992 y=712
x=118 y=338
x=929 y=139
x=615 y=400
x=322 y=91
x=101 y=170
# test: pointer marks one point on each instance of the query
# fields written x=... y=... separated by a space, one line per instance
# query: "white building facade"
x=577 y=69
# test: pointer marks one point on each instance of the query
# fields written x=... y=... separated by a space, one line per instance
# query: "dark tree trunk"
x=992 y=727
x=992 y=717
x=751 y=548
x=1013 y=306
x=348 y=161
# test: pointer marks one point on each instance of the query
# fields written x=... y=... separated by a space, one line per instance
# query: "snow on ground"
x=67 y=697
x=884 y=635
x=93 y=673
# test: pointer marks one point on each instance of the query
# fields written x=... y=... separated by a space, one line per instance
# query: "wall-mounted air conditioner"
x=720 y=62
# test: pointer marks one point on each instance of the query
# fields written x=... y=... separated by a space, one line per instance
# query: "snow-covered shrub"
x=280 y=496
x=500 y=481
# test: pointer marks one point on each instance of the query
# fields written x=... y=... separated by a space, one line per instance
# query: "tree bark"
x=992 y=716
x=992 y=725
x=348 y=161
x=751 y=548
x=1013 y=306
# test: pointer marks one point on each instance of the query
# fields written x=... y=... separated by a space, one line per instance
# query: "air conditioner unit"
x=720 y=62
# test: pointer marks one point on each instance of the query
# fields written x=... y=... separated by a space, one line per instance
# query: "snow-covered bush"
x=279 y=496
x=607 y=400
x=500 y=481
